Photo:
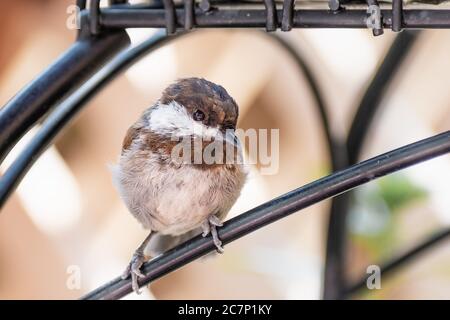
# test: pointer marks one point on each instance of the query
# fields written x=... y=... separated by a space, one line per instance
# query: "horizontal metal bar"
x=281 y=207
x=256 y=18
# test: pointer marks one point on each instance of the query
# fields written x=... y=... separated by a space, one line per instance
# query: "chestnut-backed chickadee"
x=159 y=175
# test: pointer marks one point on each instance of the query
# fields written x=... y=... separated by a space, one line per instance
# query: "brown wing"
x=132 y=133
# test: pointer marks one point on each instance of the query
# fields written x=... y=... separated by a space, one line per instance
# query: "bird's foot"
x=210 y=226
x=134 y=269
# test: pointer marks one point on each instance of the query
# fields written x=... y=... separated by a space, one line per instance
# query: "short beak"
x=231 y=138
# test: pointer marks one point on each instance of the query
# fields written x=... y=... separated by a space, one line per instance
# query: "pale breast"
x=174 y=200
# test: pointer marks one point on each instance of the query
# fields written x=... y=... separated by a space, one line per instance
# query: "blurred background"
x=67 y=216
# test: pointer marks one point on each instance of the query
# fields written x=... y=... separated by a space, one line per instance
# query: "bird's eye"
x=199 y=115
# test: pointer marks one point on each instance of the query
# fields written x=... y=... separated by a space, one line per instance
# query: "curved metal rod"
x=141 y=48
x=338 y=152
x=86 y=56
x=334 y=146
x=335 y=281
x=68 y=109
x=400 y=261
x=281 y=207
x=374 y=94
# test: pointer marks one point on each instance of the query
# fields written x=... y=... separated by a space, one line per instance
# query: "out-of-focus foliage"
x=373 y=219
x=398 y=191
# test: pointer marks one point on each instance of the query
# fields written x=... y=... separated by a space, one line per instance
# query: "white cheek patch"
x=173 y=119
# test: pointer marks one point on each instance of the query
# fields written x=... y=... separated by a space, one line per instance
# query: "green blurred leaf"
x=398 y=191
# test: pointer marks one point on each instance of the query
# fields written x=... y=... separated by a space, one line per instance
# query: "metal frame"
x=281 y=207
x=228 y=14
x=335 y=282
x=98 y=56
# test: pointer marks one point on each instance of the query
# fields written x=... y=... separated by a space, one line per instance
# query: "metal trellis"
x=102 y=51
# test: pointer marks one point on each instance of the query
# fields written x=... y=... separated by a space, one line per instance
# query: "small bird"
x=165 y=174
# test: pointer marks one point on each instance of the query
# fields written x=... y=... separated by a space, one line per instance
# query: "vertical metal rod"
x=397 y=15
x=94 y=16
x=334 y=277
x=288 y=15
x=170 y=16
x=271 y=15
x=189 y=14
x=334 y=146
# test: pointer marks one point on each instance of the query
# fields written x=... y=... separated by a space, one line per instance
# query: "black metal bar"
x=338 y=153
x=71 y=106
x=287 y=18
x=389 y=267
x=334 y=277
x=225 y=18
x=271 y=15
x=81 y=4
x=71 y=69
x=334 y=146
x=334 y=280
x=281 y=207
x=68 y=109
x=189 y=14
x=256 y=18
x=397 y=15
x=94 y=16
x=170 y=16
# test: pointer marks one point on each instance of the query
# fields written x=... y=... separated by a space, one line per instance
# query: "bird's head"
x=195 y=108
